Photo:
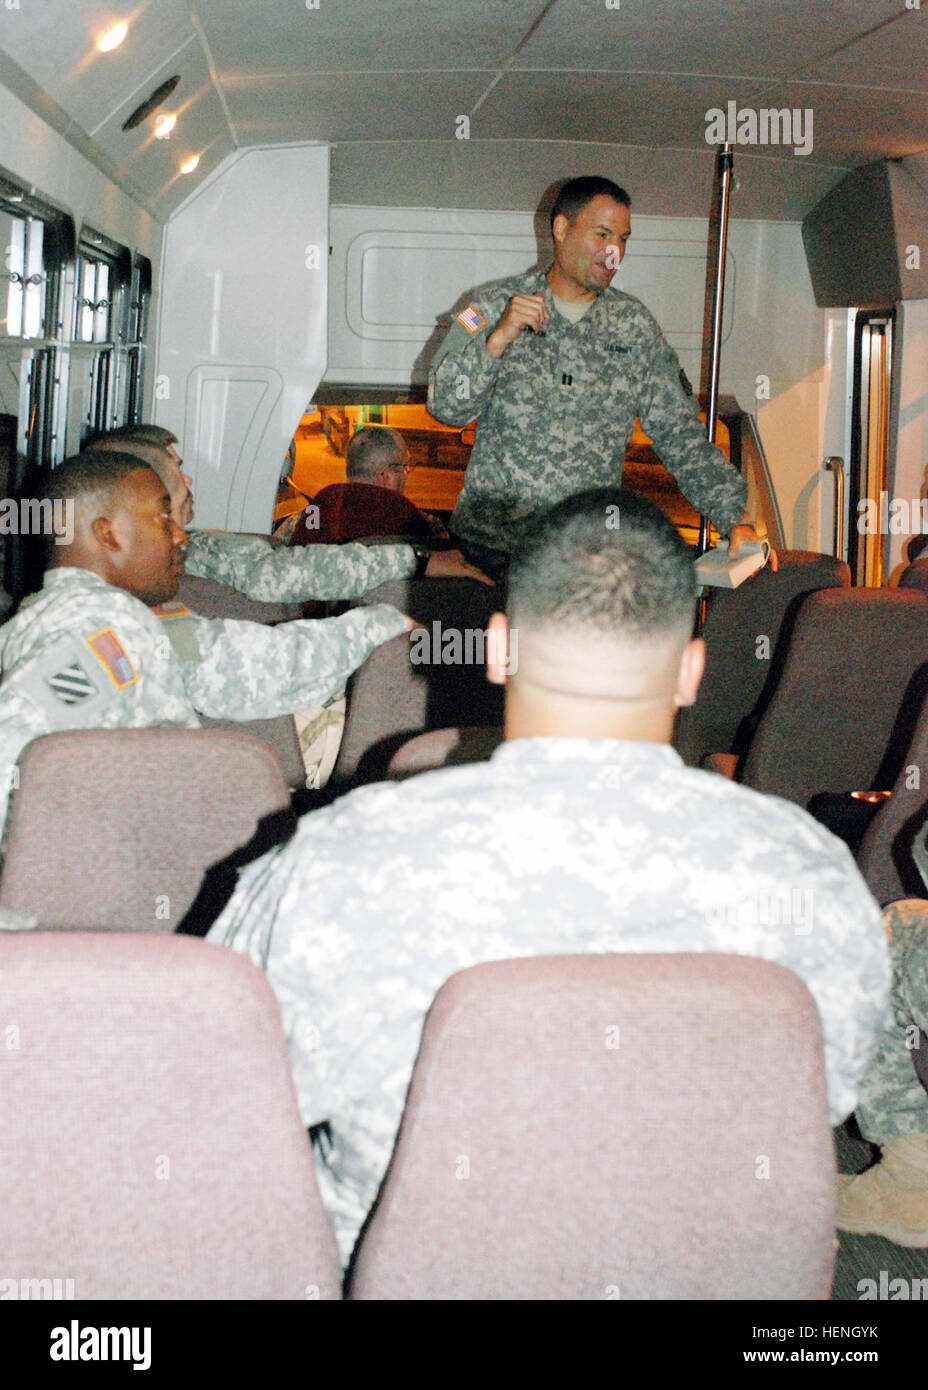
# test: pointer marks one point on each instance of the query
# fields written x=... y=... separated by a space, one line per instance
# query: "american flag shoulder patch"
x=111 y=654
x=174 y=609
x=472 y=319
x=71 y=684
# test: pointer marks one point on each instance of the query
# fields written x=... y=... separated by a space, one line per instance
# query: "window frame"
x=109 y=366
x=42 y=406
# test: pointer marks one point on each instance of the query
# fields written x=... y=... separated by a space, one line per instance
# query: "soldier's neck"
x=537 y=714
x=565 y=288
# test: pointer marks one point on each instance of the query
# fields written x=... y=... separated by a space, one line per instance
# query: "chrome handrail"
x=835 y=464
x=723 y=175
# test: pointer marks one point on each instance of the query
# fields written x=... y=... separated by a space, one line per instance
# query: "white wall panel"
x=242 y=328
x=397 y=272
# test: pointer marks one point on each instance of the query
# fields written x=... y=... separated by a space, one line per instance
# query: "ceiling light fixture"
x=151 y=103
x=112 y=38
x=190 y=164
x=164 y=126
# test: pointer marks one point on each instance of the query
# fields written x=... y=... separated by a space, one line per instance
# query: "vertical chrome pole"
x=723 y=174
x=835 y=464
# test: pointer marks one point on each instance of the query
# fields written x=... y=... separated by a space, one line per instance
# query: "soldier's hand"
x=450 y=564
x=739 y=534
x=522 y=311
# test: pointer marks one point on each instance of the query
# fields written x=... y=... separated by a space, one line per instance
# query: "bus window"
x=36 y=247
x=34 y=241
x=99 y=374
x=139 y=300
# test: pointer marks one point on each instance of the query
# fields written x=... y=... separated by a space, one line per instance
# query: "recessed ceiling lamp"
x=164 y=126
x=190 y=164
x=112 y=38
x=151 y=103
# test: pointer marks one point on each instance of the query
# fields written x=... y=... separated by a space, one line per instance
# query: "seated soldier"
x=371 y=503
x=93 y=649
x=261 y=571
x=891 y=1198
x=584 y=832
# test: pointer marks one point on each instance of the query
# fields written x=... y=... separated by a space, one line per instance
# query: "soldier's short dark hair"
x=605 y=561
x=576 y=193
x=156 y=435
x=127 y=441
x=371 y=448
x=85 y=479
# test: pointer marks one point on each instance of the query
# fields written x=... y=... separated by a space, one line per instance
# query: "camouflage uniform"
x=554 y=846
x=556 y=410
x=274 y=574
x=892 y=1099
x=82 y=654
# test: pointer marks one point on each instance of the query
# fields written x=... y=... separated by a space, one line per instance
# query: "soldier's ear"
x=498 y=646
x=104 y=533
x=559 y=227
x=692 y=666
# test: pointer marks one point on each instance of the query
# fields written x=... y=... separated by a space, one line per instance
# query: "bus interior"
x=253 y=226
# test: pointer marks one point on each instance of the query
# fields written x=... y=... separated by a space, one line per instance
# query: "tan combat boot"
x=890 y=1199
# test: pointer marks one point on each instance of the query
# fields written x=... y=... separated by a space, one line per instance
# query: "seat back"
x=742 y=631
x=594 y=1127
x=115 y=828
x=210 y=599
x=392 y=697
x=443 y=748
x=884 y=856
x=915 y=576
x=840 y=702
x=279 y=734
x=151 y=1145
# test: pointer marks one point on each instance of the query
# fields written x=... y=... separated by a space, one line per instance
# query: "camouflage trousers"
x=892 y=1101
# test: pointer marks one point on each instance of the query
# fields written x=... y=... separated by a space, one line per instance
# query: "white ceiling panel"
x=180 y=186
x=55 y=43
x=736 y=37
x=894 y=123
x=895 y=56
x=606 y=106
x=351 y=106
x=510 y=175
x=540 y=79
x=364 y=35
x=201 y=129
x=681 y=183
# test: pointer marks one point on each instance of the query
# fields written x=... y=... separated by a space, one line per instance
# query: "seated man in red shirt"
x=371 y=503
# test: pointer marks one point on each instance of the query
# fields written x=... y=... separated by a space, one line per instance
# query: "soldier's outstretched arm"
x=251 y=671
x=295 y=575
x=670 y=417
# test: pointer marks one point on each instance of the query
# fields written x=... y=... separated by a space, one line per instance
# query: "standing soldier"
x=555 y=365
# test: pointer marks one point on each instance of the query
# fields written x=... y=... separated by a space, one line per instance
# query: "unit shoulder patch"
x=471 y=319
x=66 y=686
x=112 y=656
x=71 y=684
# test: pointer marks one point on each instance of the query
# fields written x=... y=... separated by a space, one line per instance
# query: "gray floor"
x=865 y=1257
